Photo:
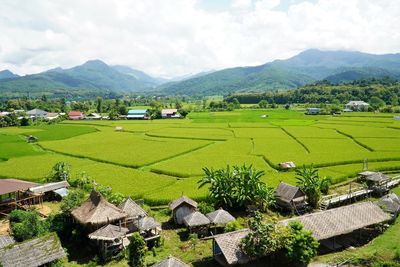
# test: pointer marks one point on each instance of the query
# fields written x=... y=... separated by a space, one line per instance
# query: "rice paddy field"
x=162 y=159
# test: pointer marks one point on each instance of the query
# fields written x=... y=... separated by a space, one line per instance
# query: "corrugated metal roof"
x=137 y=111
x=14 y=185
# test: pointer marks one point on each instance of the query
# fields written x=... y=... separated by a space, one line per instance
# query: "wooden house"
x=149 y=228
x=376 y=181
x=35 y=252
x=219 y=219
x=96 y=212
x=182 y=207
x=290 y=197
x=134 y=212
x=170 y=261
x=109 y=239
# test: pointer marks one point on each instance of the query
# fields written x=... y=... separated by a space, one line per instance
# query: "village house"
x=170 y=261
x=34 y=252
x=170 y=113
x=137 y=114
x=290 y=197
x=313 y=111
x=75 y=115
x=182 y=207
x=197 y=222
x=357 y=106
x=219 y=218
x=52 y=116
x=93 y=116
x=37 y=113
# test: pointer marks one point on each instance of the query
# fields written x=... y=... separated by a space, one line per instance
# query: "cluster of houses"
x=109 y=227
x=349 y=107
x=133 y=114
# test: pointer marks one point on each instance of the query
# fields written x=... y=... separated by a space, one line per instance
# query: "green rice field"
x=162 y=159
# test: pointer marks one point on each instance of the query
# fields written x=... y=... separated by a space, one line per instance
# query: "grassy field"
x=162 y=159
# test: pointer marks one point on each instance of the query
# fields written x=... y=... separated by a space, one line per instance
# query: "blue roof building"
x=136 y=114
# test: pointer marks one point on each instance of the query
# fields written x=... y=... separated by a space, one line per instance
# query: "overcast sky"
x=176 y=37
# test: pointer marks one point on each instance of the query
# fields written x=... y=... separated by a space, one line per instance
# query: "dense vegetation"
x=324 y=92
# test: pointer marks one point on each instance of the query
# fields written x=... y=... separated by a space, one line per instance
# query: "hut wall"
x=181 y=212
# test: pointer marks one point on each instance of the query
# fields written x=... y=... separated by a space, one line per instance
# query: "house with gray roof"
x=182 y=207
x=290 y=197
x=357 y=105
x=170 y=261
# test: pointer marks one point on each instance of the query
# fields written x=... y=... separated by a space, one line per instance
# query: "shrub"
x=72 y=200
x=232 y=226
x=205 y=207
x=26 y=225
x=61 y=172
x=137 y=251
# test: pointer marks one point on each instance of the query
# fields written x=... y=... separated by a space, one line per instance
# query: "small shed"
x=96 y=212
x=55 y=190
x=34 y=252
x=197 y=222
x=31 y=139
x=220 y=217
x=290 y=197
x=390 y=203
x=170 y=261
x=287 y=165
x=227 y=249
x=376 y=181
x=109 y=239
x=182 y=207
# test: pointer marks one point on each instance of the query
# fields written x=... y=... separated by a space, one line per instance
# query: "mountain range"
x=97 y=78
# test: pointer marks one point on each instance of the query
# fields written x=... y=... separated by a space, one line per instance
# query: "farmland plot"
x=123 y=148
x=15 y=146
x=193 y=133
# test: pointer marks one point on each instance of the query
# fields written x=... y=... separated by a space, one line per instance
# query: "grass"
x=12 y=146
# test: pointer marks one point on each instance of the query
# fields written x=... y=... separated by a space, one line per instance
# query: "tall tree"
x=99 y=104
x=61 y=171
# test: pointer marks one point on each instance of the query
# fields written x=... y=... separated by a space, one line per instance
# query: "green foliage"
x=237 y=187
x=302 y=246
x=264 y=238
x=61 y=171
x=263 y=104
x=72 y=200
x=136 y=251
x=26 y=225
x=376 y=103
x=232 y=226
x=205 y=207
x=311 y=184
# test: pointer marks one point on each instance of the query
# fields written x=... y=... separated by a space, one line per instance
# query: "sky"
x=170 y=38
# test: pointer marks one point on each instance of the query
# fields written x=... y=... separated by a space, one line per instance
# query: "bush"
x=137 y=251
x=72 y=200
x=26 y=225
x=232 y=226
x=205 y=207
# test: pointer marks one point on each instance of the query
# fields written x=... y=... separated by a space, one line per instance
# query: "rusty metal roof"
x=14 y=185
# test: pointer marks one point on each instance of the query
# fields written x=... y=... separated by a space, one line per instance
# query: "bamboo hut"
x=32 y=253
x=96 y=212
x=182 y=207
x=109 y=239
x=290 y=197
x=376 y=181
x=134 y=212
x=149 y=228
x=170 y=261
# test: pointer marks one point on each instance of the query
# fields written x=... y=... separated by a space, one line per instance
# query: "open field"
x=163 y=159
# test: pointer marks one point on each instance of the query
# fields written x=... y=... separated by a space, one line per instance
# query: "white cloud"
x=176 y=37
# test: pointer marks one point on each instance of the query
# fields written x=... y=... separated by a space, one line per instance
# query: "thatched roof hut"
x=390 y=203
x=196 y=219
x=33 y=253
x=342 y=220
x=131 y=208
x=96 y=211
x=170 y=261
x=220 y=216
x=109 y=233
x=227 y=248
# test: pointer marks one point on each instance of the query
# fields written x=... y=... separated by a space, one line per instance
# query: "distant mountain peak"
x=6 y=74
x=95 y=63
